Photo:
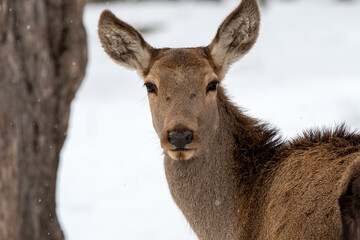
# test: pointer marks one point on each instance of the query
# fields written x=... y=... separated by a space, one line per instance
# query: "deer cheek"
x=211 y=111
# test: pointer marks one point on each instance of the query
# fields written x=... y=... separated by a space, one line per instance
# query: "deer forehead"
x=181 y=68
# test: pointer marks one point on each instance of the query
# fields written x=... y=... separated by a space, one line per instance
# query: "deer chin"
x=185 y=154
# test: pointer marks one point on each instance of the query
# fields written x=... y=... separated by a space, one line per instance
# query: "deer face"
x=182 y=83
x=182 y=86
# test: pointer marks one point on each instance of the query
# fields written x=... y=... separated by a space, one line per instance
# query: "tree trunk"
x=43 y=57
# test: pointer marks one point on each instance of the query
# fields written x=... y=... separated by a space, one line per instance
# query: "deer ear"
x=236 y=35
x=123 y=43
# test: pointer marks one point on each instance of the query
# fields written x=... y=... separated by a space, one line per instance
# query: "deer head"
x=183 y=83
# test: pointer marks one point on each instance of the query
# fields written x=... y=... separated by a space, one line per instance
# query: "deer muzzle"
x=179 y=139
x=180 y=142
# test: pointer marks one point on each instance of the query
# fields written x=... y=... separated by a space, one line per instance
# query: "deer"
x=231 y=175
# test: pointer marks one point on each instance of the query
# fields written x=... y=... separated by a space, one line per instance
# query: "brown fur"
x=350 y=205
x=237 y=179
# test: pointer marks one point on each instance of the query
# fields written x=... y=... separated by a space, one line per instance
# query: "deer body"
x=230 y=175
x=291 y=198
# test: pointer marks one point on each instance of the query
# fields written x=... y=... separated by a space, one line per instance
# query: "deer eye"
x=212 y=86
x=151 y=88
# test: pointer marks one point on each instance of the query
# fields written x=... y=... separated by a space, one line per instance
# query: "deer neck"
x=209 y=189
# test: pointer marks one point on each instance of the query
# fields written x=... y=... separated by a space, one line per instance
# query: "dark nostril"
x=188 y=137
x=180 y=138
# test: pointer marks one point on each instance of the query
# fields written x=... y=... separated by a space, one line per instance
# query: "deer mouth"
x=181 y=149
x=181 y=153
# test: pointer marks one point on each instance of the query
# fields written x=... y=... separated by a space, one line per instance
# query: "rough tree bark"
x=43 y=57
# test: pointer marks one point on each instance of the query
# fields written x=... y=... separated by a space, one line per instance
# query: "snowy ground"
x=303 y=72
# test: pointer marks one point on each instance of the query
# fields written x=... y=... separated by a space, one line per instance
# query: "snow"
x=303 y=72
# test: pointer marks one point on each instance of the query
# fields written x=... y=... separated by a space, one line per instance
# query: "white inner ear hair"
x=232 y=38
x=127 y=49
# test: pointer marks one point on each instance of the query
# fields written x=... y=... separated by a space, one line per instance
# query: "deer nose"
x=180 y=138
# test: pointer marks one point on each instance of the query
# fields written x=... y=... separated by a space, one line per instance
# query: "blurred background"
x=303 y=72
